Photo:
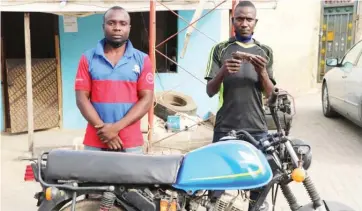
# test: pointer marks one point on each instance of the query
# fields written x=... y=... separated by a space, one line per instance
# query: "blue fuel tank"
x=226 y=165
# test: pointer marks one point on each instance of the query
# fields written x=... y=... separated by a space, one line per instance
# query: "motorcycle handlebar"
x=249 y=138
x=273 y=97
x=272 y=139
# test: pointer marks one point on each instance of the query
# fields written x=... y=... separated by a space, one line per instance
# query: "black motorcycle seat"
x=111 y=167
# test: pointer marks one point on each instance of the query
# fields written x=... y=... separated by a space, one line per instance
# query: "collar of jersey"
x=244 y=45
x=128 y=53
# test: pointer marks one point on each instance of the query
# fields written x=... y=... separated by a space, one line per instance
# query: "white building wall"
x=292 y=31
x=358 y=24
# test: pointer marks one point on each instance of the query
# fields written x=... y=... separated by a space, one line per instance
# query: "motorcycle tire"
x=87 y=205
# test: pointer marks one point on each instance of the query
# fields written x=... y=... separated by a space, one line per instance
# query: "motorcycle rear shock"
x=107 y=202
x=312 y=192
x=289 y=196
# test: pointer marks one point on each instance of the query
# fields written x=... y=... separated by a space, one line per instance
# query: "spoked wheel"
x=87 y=205
x=327 y=109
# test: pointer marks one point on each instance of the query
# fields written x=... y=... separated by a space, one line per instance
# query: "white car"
x=342 y=86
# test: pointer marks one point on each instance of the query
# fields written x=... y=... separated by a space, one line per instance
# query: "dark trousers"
x=254 y=193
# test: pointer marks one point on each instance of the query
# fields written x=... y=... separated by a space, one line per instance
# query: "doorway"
x=45 y=68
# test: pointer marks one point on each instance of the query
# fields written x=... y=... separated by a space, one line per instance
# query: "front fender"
x=329 y=205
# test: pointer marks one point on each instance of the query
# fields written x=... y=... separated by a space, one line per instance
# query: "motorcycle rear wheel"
x=87 y=205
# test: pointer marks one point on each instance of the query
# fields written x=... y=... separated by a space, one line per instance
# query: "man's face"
x=117 y=26
x=244 y=21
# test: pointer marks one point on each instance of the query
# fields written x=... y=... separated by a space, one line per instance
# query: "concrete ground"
x=336 y=168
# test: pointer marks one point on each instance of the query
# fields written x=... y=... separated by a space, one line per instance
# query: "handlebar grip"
x=249 y=138
x=273 y=97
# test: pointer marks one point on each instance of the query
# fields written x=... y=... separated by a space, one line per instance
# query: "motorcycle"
x=236 y=165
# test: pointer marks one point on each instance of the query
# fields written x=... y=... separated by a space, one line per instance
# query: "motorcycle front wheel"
x=87 y=205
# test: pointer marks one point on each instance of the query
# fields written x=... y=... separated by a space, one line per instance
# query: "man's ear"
x=256 y=21
x=103 y=26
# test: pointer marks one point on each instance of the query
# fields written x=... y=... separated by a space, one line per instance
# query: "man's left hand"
x=259 y=63
x=107 y=132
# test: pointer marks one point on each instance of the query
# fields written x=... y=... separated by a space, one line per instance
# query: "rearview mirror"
x=331 y=62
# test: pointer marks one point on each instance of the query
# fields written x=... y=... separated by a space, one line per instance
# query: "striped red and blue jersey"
x=114 y=89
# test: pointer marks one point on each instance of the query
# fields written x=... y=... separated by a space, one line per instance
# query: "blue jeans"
x=135 y=150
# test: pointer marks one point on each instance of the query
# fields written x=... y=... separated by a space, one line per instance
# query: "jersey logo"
x=149 y=78
x=136 y=68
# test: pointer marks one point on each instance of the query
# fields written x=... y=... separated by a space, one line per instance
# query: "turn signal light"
x=51 y=193
x=29 y=174
x=48 y=194
x=298 y=174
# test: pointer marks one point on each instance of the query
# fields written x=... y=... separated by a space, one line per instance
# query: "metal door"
x=336 y=33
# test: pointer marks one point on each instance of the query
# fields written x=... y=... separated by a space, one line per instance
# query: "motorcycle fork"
x=307 y=183
x=263 y=195
x=282 y=179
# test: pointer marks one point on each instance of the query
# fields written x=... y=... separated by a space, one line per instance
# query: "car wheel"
x=327 y=109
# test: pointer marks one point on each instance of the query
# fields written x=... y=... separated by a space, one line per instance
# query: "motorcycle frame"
x=73 y=190
x=278 y=178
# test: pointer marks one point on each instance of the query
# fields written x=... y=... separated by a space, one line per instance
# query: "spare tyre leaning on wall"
x=171 y=102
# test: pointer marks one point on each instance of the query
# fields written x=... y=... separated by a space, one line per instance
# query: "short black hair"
x=243 y=3
x=112 y=8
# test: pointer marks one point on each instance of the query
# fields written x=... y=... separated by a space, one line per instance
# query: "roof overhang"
x=87 y=7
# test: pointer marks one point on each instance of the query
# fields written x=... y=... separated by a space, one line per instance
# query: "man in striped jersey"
x=114 y=88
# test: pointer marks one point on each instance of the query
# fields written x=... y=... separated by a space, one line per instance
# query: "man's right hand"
x=232 y=65
x=115 y=144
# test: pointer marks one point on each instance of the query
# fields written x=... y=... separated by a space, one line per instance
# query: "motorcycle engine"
x=232 y=202
x=229 y=200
